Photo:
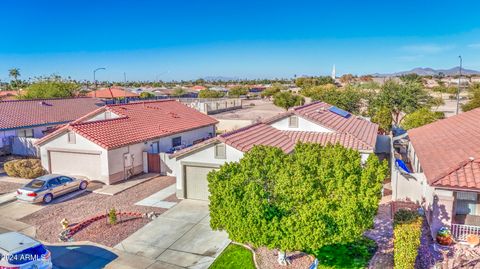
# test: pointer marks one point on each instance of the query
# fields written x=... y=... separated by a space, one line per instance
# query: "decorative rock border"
x=67 y=234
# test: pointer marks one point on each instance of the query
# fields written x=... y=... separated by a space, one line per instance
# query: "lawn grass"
x=234 y=256
x=342 y=256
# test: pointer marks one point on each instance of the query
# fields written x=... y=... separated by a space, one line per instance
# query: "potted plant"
x=444 y=236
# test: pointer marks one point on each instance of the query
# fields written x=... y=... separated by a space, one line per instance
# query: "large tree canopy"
x=305 y=82
x=51 y=87
x=347 y=98
x=210 y=94
x=314 y=197
x=287 y=100
x=421 y=117
x=238 y=91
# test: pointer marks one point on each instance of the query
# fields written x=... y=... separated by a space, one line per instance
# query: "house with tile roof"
x=316 y=122
x=23 y=121
x=112 y=93
x=438 y=167
x=116 y=142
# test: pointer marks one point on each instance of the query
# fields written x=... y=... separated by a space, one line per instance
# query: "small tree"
x=177 y=92
x=314 y=197
x=474 y=101
x=271 y=91
x=287 y=100
x=14 y=73
x=420 y=117
x=210 y=94
x=112 y=216
x=146 y=95
x=237 y=91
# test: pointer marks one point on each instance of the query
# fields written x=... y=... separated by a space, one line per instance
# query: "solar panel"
x=339 y=111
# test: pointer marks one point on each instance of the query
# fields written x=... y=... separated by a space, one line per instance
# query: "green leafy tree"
x=238 y=91
x=287 y=100
x=474 y=100
x=305 y=82
x=146 y=95
x=348 y=98
x=421 y=117
x=412 y=77
x=210 y=94
x=14 y=73
x=383 y=117
x=51 y=87
x=400 y=98
x=284 y=201
x=271 y=91
x=177 y=92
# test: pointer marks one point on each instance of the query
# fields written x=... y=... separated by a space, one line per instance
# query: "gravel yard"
x=267 y=259
x=7 y=187
x=47 y=220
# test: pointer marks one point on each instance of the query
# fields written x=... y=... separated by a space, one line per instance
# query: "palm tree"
x=14 y=73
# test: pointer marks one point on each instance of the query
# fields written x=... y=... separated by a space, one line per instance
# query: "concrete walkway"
x=157 y=199
x=179 y=238
x=125 y=185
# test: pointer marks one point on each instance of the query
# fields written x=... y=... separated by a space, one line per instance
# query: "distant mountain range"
x=426 y=71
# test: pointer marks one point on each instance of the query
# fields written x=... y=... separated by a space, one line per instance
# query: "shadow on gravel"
x=80 y=256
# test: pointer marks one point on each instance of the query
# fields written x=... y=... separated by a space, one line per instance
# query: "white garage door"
x=196 y=182
x=75 y=164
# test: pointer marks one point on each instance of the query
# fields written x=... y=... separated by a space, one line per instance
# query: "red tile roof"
x=446 y=148
x=318 y=112
x=138 y=122
x=29 y=113
x=345 y=139
x=245 y=138
x=111 y=93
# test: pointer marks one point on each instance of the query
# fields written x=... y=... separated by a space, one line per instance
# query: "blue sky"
x=188 y=39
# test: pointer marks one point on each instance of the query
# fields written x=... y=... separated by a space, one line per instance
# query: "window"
x=71 y=138
x=155 y=147
x=108 y=115
x=25 y=133
x=176 y=141
x=220 y=151
x=466 y=203
x=64 y=180
x=54 y=182
x=293 y=122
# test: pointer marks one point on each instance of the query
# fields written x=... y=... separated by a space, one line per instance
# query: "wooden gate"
x=153 y=162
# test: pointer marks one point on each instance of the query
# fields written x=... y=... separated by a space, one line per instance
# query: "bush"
x=112 y=216
x=407 y=232
x=26 y=168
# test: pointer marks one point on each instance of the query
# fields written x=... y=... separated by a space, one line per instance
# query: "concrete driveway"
x=179 y=238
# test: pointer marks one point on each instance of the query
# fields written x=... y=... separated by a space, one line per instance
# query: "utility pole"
x=459 y=83
x=95 y=80
x=125 y=87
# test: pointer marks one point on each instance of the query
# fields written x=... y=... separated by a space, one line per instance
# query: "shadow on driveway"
x=80 y=256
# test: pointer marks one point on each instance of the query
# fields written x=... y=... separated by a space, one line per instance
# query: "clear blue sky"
x=189 y=39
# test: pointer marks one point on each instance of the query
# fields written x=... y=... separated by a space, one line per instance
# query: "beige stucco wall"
x=81 y=144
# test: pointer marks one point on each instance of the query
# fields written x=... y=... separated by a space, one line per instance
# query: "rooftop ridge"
x=241 y=129
x=142 y=102
x=73 y=124
x=46 y=99
x=453 y=169
x=310 y=104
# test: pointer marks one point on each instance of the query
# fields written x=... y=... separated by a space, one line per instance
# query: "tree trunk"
x=282 y=258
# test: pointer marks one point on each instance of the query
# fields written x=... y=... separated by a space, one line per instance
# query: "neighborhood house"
x=316 y=122
x=116 y=142
x=438 y=167
x=24 y=121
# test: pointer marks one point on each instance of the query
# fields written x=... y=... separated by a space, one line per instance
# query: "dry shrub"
x=26 y=168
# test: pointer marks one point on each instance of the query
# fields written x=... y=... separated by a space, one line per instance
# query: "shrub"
x=26 y=168
x=407 y=232
x=112 y=216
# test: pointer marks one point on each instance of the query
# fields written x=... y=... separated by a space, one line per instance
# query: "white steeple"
x=334 y=75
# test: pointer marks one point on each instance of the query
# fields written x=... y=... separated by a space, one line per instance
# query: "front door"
x=153 y=163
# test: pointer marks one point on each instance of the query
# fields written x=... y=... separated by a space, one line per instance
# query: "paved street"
x=181 y=237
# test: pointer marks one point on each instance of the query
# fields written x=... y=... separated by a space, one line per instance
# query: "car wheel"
x=47 y=198
x=83 y=185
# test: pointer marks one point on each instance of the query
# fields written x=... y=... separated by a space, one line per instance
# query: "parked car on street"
x=20 y=251
x=45 y=188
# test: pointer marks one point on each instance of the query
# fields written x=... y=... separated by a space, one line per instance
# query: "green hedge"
x=407 y=232
x=26 y=168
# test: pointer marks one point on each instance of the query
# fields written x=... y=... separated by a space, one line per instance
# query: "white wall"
x=204 y=156
x=102 y=116
x=37 y=133
x=303 y=125
x=81 y=144
x=187 y=137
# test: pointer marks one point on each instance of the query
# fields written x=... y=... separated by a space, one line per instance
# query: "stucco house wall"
x=303 y=125
x=204 y=156
x=81 y=144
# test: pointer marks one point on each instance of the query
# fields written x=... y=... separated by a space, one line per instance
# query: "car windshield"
x=35 y=184
x=28 y=255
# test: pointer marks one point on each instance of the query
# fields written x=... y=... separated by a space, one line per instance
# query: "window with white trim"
x=466 y=203
x=293 y=122
x=25 y=133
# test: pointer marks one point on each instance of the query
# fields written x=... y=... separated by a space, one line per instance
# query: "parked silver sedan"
x=45 y=188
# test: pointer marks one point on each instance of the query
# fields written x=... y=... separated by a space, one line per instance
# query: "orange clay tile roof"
x=30 y=113
x=111 y=93
x=138 y=122
x=449 y=150
x=344 y=139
